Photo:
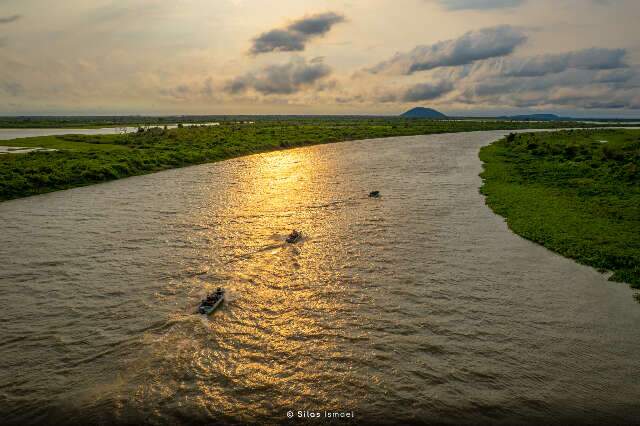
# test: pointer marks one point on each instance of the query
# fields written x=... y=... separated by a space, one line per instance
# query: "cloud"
x=587 y=59
x=615 y=76
x=12 y=88
x=473 y=46
x=479 y=4
x=295 y=36
x=9 y=19
x=281 y=79
x=592 y=78
x=585 y=79
x=427 y=91
x=494 y=4
x=189 y=91
x=586 y=97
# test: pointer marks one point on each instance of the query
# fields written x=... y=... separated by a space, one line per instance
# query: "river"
x=418 y=305
x=8 y=134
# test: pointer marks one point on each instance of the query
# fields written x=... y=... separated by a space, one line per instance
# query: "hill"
x=420 y=112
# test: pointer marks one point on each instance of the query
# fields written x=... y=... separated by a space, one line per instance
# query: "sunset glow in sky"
x=468 y=57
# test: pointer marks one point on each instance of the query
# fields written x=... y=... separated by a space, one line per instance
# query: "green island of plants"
x=576 y=192
x=84 y=160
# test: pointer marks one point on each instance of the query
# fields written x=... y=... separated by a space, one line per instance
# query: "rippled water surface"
x=417 y=305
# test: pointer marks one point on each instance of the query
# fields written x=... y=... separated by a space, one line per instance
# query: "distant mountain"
x=420 y=112
x=538 y=117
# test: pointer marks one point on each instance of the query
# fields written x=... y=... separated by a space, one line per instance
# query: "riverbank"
x=84 y=160
x=576 y=192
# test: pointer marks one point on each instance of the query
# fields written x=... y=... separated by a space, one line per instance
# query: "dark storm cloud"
x=295 y=36
x=9 y=19
x=281 y=79
x=470 y=47
x=479 y=4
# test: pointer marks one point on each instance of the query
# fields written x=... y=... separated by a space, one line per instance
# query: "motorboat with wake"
x=212 y=302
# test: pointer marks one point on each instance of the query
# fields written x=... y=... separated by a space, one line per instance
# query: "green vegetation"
x=81 y=122
x=83 y=160
x=575 y=192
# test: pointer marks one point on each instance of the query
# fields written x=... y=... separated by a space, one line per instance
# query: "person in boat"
x=214 y=297
x=293 y=237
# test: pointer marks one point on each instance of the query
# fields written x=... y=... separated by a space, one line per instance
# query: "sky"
x=463 y=57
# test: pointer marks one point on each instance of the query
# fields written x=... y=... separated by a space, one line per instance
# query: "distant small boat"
x=212 y=302
x=294 y=237
x=374 y=194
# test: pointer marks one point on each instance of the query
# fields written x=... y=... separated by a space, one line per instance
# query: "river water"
x=8 y=134
x=418 y=305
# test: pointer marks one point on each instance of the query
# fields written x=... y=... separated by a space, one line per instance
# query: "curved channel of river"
x=418 y=305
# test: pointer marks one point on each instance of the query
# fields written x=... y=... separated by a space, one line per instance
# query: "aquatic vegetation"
x=83 y=160
x=576 y=192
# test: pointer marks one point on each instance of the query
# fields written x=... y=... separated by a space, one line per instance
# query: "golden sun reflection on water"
x=275 y=335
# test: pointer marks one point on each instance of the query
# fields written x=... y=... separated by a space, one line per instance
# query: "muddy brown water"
x=418 y=305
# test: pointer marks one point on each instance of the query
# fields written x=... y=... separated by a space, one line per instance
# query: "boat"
x=374 y=194
x=294 y=237
x=212 y=302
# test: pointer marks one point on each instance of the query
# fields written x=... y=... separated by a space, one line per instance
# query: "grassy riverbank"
x=575 y=192
x=84 y=160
